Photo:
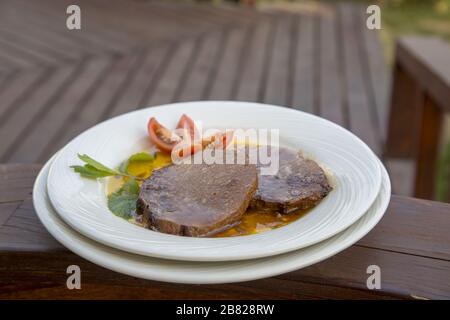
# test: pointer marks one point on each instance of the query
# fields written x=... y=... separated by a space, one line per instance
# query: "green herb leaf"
x=123 y=202
x=97 y=165
x=140 y=156
x=88 y=171
x=94 y=169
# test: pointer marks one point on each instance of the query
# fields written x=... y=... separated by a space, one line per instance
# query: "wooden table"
x=411 y=245
x=56 y=83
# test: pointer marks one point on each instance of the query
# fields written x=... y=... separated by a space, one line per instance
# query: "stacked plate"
x=75 y=212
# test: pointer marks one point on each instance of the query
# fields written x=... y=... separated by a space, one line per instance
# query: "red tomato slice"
x=162 y=137
x=183 y=150
x=218 y=140
x=187 y=123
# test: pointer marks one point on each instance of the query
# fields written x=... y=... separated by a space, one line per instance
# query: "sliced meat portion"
x=197 y=199
x=299 y=184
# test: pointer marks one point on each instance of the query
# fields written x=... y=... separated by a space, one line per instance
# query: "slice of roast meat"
x=197 y=199
x=299 y=184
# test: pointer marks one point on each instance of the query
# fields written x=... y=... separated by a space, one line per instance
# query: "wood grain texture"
x=145 y=53
x=420 y=97
x=55 y=83
x=427 y=59
x=410 y=245
x=406 y=105
x=357 y=101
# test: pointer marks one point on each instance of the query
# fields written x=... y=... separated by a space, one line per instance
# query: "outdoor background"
x=315 y=56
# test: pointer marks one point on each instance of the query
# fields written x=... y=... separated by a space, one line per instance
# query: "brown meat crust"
x=299 y=184
x=197 y=199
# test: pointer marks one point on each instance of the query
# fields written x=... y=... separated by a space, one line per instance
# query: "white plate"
x=202 y=272
x=82 y=202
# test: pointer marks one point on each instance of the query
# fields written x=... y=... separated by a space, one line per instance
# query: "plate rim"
x=235 y=255
x=111 y=262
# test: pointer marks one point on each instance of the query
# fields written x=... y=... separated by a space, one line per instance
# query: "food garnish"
x=205 y=200
x=162 y=137
x=186 y=140
x=137 y=157
x=123 y=202
x=94 y=169
x=188 y=124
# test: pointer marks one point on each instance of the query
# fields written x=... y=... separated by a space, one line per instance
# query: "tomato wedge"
x=162 y=137
x=188 y=124
x=186 y=144
x=218 y=140
x=183 y=150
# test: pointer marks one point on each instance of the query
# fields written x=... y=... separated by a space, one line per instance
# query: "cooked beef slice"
x=197 y=199
x=299 y=184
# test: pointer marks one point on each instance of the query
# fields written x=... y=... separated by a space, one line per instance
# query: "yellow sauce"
x=253 y=221
x=257 y=221
x=142 y=169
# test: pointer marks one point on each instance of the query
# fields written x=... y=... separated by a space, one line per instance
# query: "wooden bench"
x=420 y=98
x=410 y=245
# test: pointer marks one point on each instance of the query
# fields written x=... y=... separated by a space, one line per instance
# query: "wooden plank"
x=426 y=167
x=6 y=67
x=93 y=35
x=406 y=108
x=303 y=78
x=428 y=61
x=330 y=72
x=249 y=82
x=13 y=59
x=187 y=68
x=145 y=77
x=406 y=276
x=169 y=82
x=402 y=173
x=149 y=91
x=36 y=102
x=49 y=37
x=409 y=243
x=128 y=76
x=26 y=281
x=416 y=227
x=410 y=229
x=16 y=181
x=278 y=72
x=23 y=232
x=5 y=79
x=39 y=16
x=202 y=67
x=357 y=101
x=35 y=40
x=228 y=66
x=138 y=22
x=28 y=53
x=16 y=90
x=377 y=71
x=210 y=14
x=95 y=102
x=216 y=62
x=6 y=210
x=57 y=115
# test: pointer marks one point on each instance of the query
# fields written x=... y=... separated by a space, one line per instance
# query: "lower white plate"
x=202 y=272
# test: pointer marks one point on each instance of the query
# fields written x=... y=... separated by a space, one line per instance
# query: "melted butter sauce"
x=253 y=221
